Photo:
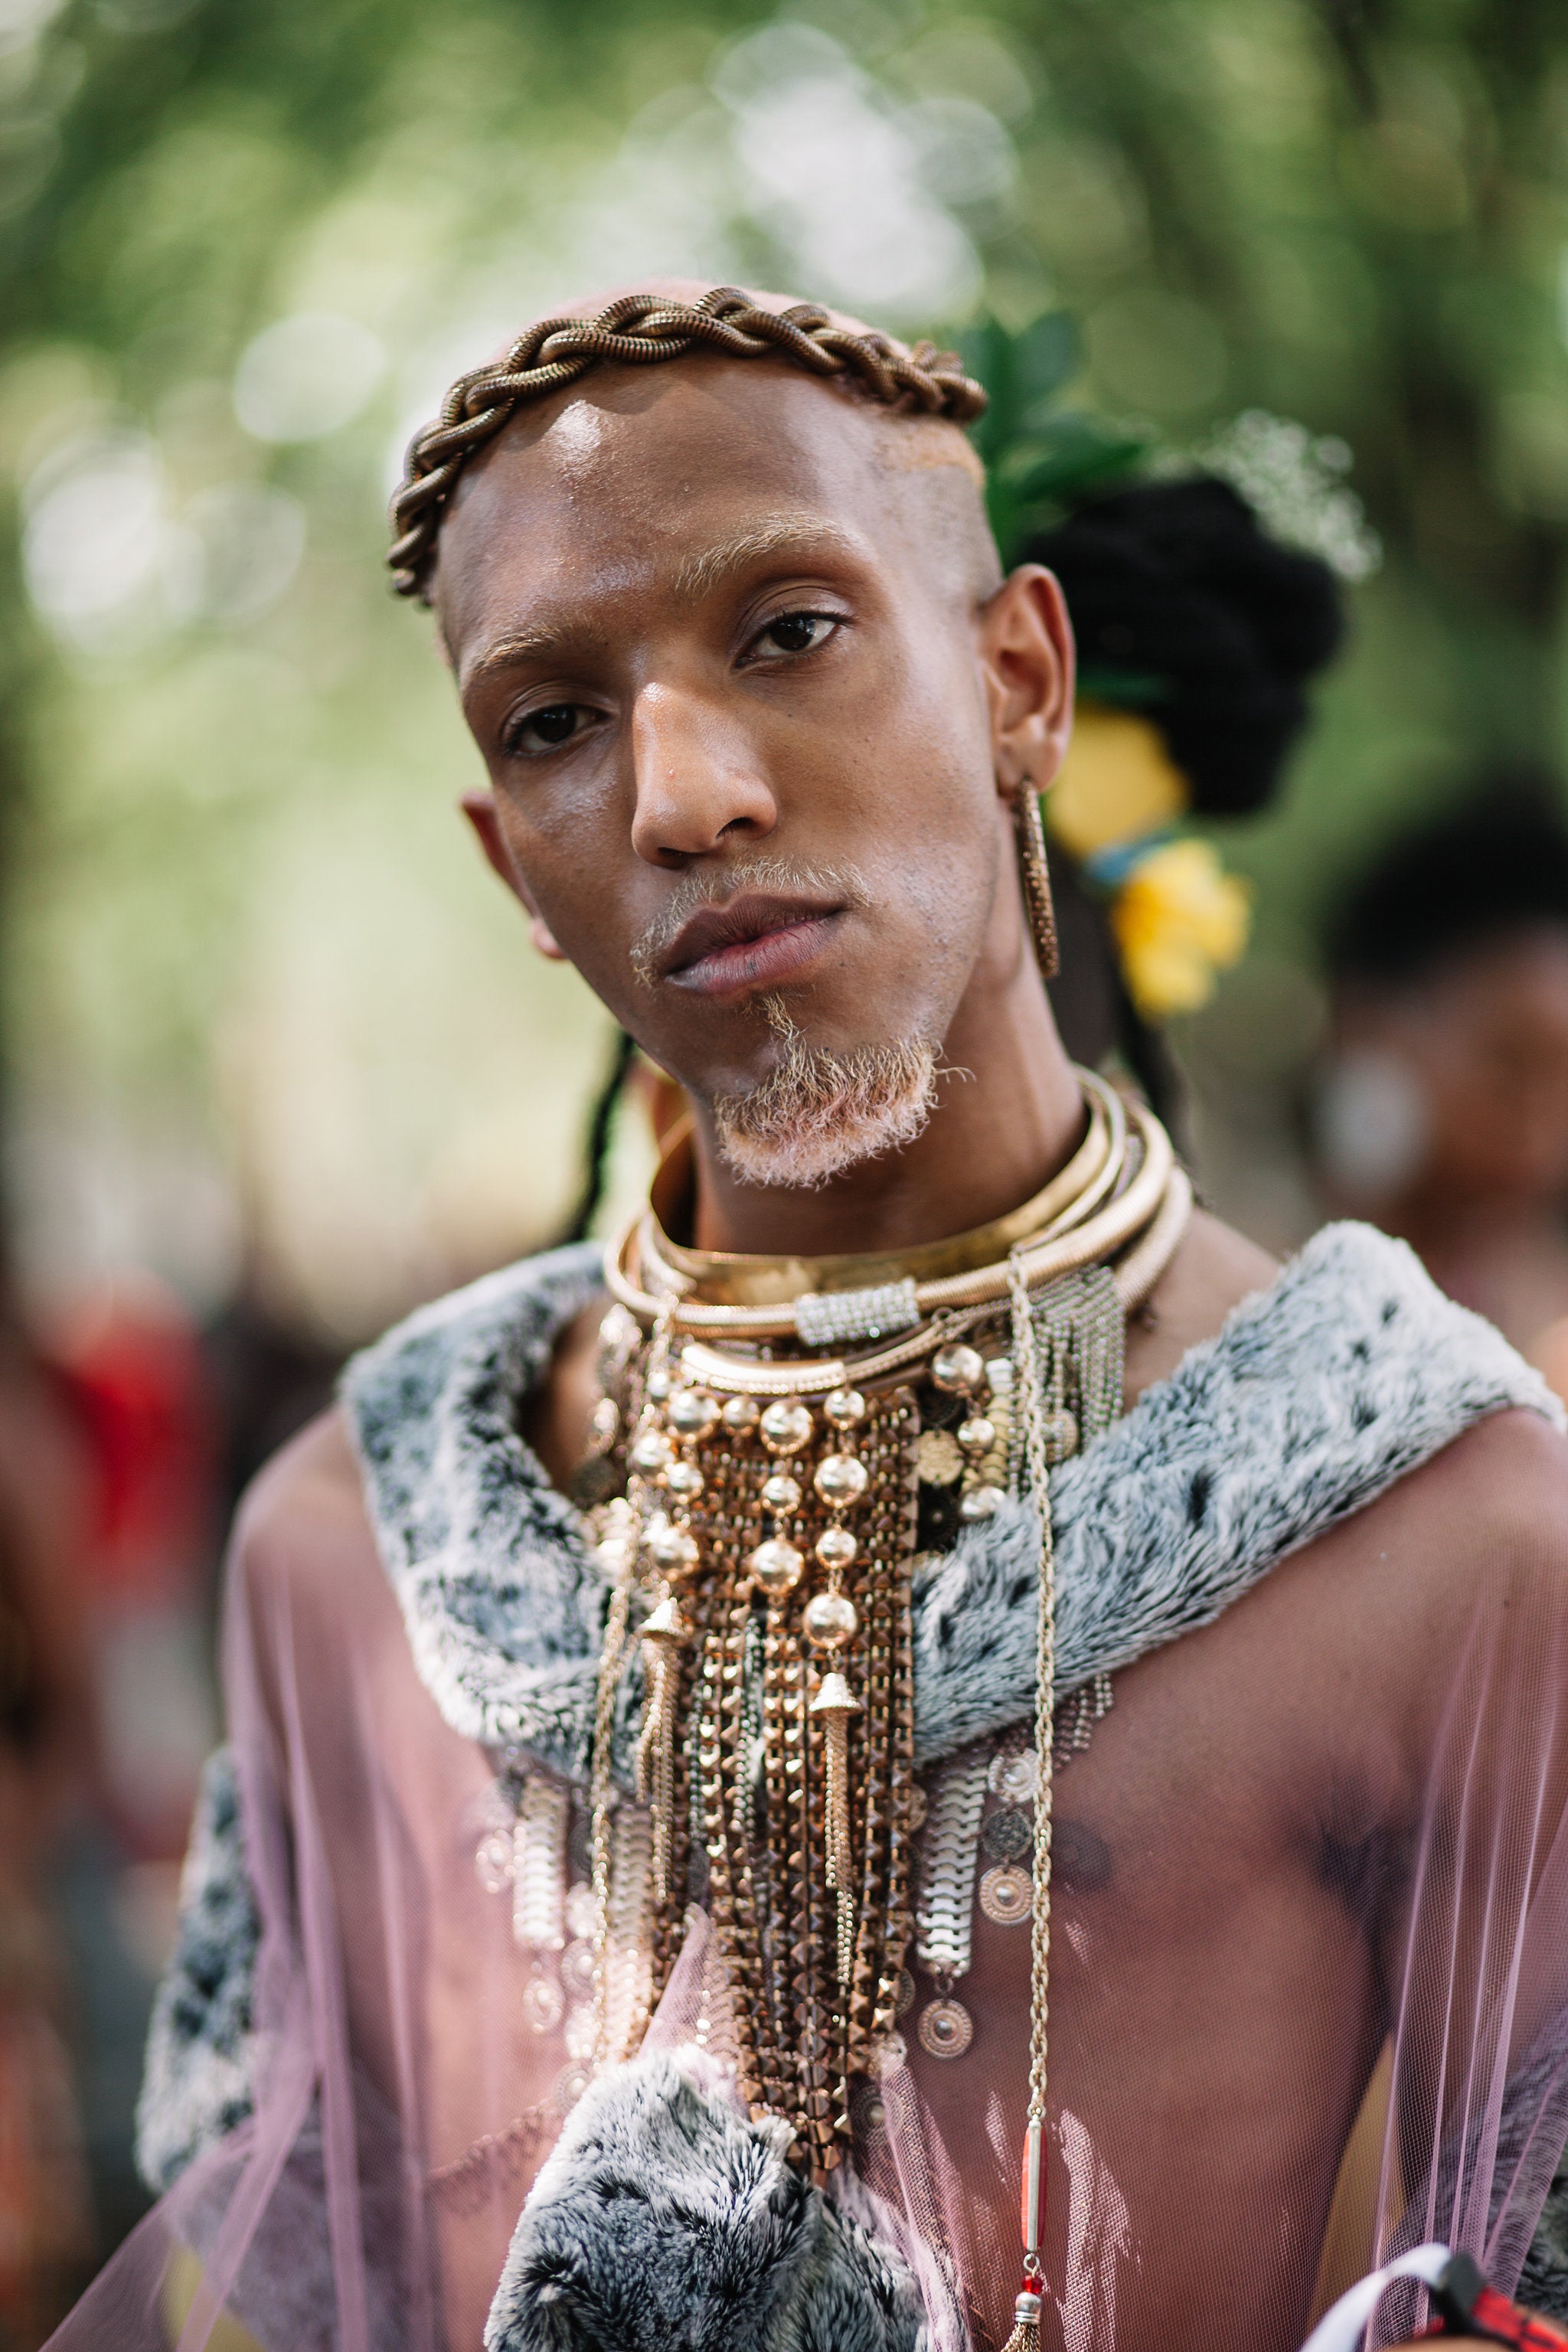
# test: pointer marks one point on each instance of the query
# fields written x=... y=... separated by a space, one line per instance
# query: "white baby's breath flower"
x=1293 y=480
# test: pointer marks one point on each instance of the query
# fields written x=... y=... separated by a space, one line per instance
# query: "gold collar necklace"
x=767 y=1532
x=1125 y=1202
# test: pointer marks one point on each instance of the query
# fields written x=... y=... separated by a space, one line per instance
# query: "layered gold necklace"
x=771 y=1415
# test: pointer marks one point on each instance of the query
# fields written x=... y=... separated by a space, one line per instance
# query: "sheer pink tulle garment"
x=1315 y=1848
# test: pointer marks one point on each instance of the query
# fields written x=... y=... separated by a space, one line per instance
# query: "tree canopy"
x=258 y=992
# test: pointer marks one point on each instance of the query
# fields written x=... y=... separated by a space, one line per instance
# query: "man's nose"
x=698 y=782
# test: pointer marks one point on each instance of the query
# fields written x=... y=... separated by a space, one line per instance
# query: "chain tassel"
x=1025 y=2335
x=835 y=1703
x=662 y=1637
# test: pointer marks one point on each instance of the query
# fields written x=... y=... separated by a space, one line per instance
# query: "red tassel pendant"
x=1025 y=2335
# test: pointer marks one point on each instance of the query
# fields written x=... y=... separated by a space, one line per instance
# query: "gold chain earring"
x=1036 y=876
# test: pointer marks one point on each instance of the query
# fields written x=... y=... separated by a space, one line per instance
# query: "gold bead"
x=830 y=1621
x=977 y=1436
x=693 y=1412
x=777 y=1566
x=843 y=1408
x=671 y=1548
x=781 y=1493
x=938 y=1461
x=651 y=1452
x=606 y=1421
x=837 y=1548
x=1061 y=1435
x=785 y=1426
x=960 y=1370
x=979 y=1503
x=740 y=1412
x=684 y=1480
x=840 y=1478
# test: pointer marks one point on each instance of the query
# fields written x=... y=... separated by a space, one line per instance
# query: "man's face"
x=719 y=657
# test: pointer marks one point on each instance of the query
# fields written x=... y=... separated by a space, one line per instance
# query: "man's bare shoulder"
x=1214 y=1269
x=1497 y=1497
x=310 y=1494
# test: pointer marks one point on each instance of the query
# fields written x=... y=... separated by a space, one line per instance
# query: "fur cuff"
x=664 y=2221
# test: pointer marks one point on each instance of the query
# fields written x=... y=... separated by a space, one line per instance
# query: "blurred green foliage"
x=1038 y=453
x=222 y=802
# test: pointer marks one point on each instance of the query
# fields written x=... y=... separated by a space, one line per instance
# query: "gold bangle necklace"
x=678 y=1278
x=927 y=1315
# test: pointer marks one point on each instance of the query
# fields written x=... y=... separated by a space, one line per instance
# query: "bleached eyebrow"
x=526 y=645
x=802 y=534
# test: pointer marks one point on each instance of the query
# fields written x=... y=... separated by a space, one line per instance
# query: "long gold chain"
x=1026 y=1352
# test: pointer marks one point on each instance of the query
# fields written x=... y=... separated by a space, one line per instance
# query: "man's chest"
x=1213 y=2003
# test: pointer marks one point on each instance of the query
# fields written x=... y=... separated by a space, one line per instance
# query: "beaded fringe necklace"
x=769 y=1528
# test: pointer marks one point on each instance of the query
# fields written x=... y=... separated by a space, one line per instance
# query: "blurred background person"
x=1197 y=635
x=47 y=1770
x=1443 y=1113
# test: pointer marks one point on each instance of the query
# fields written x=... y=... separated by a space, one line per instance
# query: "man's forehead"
x=754 y=416
x=915 y=443
x=688 y=476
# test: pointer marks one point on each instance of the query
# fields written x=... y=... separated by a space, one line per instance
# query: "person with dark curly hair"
x=1444 y=1111
x=1198 y=634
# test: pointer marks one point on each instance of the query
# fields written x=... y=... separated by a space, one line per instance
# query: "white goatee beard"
x=817 y=1112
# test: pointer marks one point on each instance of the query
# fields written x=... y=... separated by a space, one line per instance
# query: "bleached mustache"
x=716 y=886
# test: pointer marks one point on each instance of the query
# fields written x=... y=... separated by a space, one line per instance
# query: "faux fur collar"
x=1318 y=1393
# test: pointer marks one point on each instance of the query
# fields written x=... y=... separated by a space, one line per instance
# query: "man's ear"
x=482 y=813
x=1026 y=653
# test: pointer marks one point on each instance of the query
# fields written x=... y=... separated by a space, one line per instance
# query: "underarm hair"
x=639 y=331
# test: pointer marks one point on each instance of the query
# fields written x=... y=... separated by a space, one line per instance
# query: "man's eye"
x=546 y=730
x=798 y=632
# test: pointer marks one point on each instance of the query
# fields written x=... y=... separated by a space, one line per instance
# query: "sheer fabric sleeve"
x=345 y=2104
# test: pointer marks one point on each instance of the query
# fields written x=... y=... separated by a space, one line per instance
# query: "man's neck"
x=1009 y=1113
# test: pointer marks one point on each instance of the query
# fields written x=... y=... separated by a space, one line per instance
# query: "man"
x=762 y=726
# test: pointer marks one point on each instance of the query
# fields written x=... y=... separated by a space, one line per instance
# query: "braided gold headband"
x=640 y=329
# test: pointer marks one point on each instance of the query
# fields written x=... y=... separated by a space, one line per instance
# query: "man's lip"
x=751 y=943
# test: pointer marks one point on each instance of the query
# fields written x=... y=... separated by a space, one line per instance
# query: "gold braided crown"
x=637 y=330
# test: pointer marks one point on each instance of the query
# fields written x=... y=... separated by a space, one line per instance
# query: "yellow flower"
x=1117 y=781
x=1179 y=920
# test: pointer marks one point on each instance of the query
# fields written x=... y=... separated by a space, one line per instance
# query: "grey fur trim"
x=1315 y=1398
x=505 y=1611
x=1543 y=2281
x=664 y=2221
x=198 y=2084
x=1318 y=1393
